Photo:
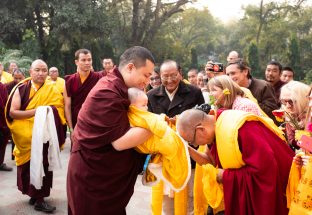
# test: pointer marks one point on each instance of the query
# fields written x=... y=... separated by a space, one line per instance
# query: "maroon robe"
x=23 y=171
x=78 y=91
x=4 y=132
x=100 y=180
x=260 y=186
x=10 y=86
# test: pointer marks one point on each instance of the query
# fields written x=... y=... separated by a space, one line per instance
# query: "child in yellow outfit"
x=170 y=160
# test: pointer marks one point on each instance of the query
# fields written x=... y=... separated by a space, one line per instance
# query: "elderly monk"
x=249 y=158
x=23 y=101
x=54 y=77
x=78 y=86
x=103 y=165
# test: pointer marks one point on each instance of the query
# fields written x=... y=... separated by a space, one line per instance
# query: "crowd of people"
x=220 y=140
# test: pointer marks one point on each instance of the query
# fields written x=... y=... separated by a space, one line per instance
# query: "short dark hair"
x=275 y=63
x=83 y=51
x=136 y=55
x=241 y=65
x=288 y=68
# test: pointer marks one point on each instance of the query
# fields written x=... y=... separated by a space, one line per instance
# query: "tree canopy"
x=54 y=29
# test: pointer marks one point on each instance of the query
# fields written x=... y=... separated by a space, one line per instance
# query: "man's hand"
x=220 y=176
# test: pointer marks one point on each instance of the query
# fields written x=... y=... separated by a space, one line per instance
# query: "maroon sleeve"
x=259 y=187
x=3 y=100
x=106 y=110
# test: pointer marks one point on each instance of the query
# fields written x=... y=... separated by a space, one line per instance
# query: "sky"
x=227 y=10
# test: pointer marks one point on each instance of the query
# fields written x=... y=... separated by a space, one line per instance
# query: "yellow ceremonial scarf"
x=6 y=77
x=21 y=129
x=175 y=158
x=226 y=130
x=301 y=200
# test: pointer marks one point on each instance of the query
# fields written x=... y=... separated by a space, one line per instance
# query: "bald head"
x=36 y=62
x=53 y=73
x=196 y=126
x=233 y=56
x=38 y=71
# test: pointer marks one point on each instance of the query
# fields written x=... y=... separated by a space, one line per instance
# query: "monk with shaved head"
x=21 y=108
x=246 y=162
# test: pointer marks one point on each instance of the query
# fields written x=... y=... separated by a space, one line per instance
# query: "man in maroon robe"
x=103 y=165
x=78 y=85
x=259 y=186
x=4 y=131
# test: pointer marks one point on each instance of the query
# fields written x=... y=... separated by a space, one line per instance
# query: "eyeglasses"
x=194 y=136
x=155 y=78
x=289 y=101
x=172 y=77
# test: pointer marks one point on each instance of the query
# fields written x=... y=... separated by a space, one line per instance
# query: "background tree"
x=253 y=60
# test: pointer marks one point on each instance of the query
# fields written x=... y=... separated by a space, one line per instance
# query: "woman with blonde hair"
x=295 y=103
x=227 y=94
x=299 y=187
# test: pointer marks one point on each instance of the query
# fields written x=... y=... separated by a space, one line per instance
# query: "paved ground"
x=13 y=202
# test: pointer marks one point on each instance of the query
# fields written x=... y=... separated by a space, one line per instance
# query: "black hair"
x=83 y=51
x=288 y=68
x=136 y=55
x=242 y=65
x=275 y=63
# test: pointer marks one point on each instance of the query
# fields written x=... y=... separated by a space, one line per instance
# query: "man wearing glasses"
x=247 y=162
x=173 y=97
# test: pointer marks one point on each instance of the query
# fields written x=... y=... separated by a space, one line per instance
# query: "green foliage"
x=294 y=58
x=194 y=63
x=253 y=60
x=13 y=55
x=54 y=29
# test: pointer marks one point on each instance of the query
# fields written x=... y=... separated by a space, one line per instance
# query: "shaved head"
x=187 y=121
x=196 y=127
x=233 y=56
x=38 y=61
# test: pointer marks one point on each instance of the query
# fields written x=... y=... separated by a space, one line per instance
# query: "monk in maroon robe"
x=258 y=187
x=4 y=131
x=103 y=165
x=78 y=85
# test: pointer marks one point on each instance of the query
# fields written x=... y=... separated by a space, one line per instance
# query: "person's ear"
x=130 y=67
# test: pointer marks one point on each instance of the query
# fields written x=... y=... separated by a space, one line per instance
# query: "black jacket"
x=185 y=98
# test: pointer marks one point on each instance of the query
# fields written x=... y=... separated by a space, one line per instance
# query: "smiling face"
x=238 y=76
x=138 y=77
x=155 y=80
x=170 y=76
